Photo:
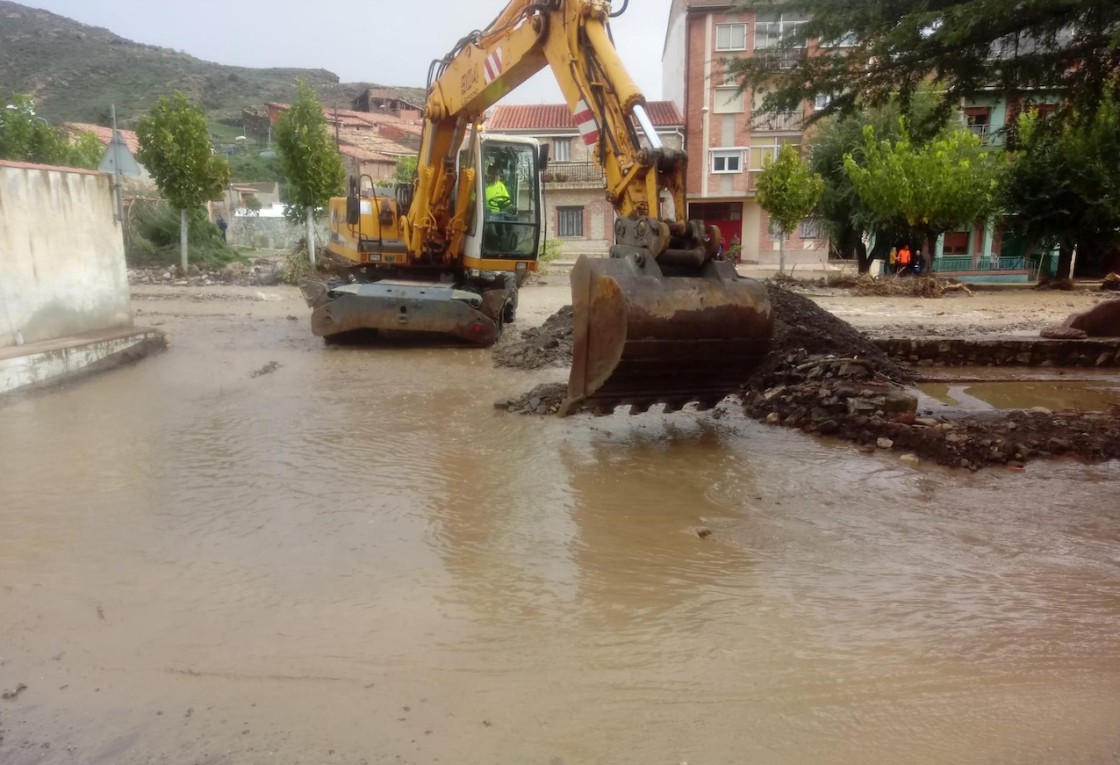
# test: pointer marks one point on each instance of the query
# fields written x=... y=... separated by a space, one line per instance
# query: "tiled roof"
x=557 y=117
x=350 y=118
x=104 y=134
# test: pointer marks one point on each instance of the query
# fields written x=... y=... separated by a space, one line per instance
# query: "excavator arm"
x=659 y=320
x=571 y=38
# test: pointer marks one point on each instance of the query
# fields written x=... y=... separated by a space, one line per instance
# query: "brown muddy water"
x=354 y=559
x=984 y=389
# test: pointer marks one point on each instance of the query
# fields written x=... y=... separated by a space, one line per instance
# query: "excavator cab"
x=504 y=229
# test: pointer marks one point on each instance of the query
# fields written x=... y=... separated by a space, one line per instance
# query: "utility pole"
x=118 y=186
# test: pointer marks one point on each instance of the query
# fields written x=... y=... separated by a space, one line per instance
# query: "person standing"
x=222 y=226
x=892 y=257
x=904 y=259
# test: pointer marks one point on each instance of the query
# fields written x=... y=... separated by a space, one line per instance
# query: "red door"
x=726 y=216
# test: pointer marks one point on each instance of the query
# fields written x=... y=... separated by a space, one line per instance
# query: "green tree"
x=788 y=190
x=27 y=137
x=1063 y=185
x=872 y=51
x=944 y=185
x=311 y=162
x=847 y=219
x=85 y=151
x=175 y=148
x=406 y=168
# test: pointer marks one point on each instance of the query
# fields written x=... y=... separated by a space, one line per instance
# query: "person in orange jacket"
x=904 y=259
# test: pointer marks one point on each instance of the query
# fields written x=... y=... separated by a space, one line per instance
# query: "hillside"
x=76 y=71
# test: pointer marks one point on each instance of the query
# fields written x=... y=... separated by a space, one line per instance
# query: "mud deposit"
x=824 y=376
x=547 y=345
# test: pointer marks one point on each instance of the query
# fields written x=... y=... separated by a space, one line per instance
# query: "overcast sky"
x=390 y=42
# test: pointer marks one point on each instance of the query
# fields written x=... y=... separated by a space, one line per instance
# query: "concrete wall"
x=269 y=232
x=62 y=269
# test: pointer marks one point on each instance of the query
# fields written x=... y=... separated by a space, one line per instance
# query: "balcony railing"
x=573 y=172
x=783 y=122
x=983 y=132
x=778 y=59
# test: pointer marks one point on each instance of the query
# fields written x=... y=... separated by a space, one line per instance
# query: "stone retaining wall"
x=1003 y=352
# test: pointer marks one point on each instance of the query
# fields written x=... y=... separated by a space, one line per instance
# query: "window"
x=731 y=36
x=846 y=40
x=955 y=243
x=727 y=161
x=562 y=149
x=778 y=30
x=978 y=119
x=569 y=222
x=761 y=153
x=822 y=101
x=728 y=100
x=811 y=228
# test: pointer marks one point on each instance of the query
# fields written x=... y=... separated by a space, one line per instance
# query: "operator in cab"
x=497 y=195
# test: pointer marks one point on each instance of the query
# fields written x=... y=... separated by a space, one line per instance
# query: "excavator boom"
x=657 y=320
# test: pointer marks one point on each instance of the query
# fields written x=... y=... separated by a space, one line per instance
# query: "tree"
x=788 y=189
x=406 y=168
x=311 y=162
x=175 y=148
x=944 y=185
x=1063 y=185
x=27 y=137
x=871 y=51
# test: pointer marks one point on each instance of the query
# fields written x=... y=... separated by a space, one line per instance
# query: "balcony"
x=573 y=174
x=783 y=122
x=981 y=131
x=779 y=59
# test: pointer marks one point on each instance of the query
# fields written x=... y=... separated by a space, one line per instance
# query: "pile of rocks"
x=827 y=394
x=847 y=398
x=547 y=345
x=260 y=273
x=543 y=399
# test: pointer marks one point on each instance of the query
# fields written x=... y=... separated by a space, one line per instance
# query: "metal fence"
x=957 y=263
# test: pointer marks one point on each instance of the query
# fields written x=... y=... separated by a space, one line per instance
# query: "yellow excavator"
x=660 y=320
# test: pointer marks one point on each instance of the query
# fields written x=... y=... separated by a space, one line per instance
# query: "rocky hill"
x=76 y=71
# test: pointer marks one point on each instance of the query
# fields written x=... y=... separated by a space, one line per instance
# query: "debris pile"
x=260 y=273
x=866 y=285
x=543 y=399
x=547 y=345
x=802 y=326
x=823 y=376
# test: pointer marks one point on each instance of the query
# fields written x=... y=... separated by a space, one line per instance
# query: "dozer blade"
x=643 y=338
x=401 y=307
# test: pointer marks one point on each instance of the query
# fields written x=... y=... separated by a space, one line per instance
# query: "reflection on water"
x=356 y=554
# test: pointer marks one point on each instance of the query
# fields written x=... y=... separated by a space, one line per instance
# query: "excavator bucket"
x=643 y=337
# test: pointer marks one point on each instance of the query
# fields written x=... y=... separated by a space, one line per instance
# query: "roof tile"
x=557 y=116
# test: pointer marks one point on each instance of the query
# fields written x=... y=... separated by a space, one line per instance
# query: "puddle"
x=1085 y=395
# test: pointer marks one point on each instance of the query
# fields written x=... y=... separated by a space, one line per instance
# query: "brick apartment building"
x=576 y=209
x=727 y=140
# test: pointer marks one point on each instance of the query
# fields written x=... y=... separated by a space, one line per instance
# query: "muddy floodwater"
x=351 y=557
